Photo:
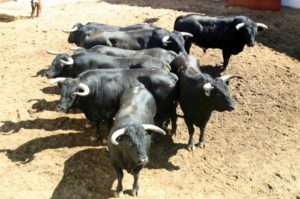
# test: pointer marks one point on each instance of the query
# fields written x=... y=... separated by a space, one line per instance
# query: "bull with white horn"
x=60 y=65
x=130 y=137
x=200 y=94
x=230 y=34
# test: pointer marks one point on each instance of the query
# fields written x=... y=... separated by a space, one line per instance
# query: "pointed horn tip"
x=53 y=52
x=154 y=128
x=262 y=25
x=56 y=80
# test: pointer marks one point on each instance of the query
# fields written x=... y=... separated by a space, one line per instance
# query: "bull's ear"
x=208 y=88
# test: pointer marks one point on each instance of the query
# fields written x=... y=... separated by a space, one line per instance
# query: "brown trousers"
x=36 y=6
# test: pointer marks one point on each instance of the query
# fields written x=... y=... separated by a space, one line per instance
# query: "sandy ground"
x=252 y=152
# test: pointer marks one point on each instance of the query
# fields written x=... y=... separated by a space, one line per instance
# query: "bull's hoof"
x=202 y=145
x=88 y=125
x=118 y=194
x=191 y=147
x=104 y=141
x=173 y=131
x=134 y=192
x=93 y=138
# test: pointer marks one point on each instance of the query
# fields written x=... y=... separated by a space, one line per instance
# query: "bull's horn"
x=186 y=34
x=69 y=62
x=261 y=25
x=75 y=48
x=116 y=134
x=53 y=52
x=57 y=80
x=165 y=39
x=207 y=88
x=85 y=88
x=228 y=77
x=153 y=128
x=240 y=25
x=71 y=30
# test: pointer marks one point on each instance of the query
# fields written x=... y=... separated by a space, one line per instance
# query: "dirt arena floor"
x=252 y=152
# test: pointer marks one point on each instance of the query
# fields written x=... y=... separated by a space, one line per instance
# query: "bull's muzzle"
x=61 y=108
x=143 y=161
x=48 y=74
x=251 y=44
x=231 y=107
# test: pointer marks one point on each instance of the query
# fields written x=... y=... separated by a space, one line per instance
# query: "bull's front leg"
x=173 y=119
x=202 y=127
x=135 y=187
x=201 y=143
x=226 y=57
x=191 y=145
x=119 y=171
x=96 y=134
x=187 y=45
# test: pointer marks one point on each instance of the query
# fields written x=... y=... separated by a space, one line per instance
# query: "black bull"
x=79 y=31
x=136 y=39
x=230 y=34
x=129 y=142
x=65 y=65
x=200 y=95
x=159 y=53
x=102 y=88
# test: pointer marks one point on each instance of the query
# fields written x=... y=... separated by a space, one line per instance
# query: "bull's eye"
x=219 y=94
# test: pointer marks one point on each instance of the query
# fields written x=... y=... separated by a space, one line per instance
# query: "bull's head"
x=249 y=29
x=61 y=62
x=217 y=92
x=135 y=141
x=71 y=88
x=75 y=33
x=173 y=40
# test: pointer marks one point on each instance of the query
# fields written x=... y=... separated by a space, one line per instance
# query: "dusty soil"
x=252 y=152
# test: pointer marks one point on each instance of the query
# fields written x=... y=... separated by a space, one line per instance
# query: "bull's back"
x=137 y=105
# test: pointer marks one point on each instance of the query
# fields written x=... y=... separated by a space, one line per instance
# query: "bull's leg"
x=226 y=57
x=135 y=187
x=191 y=145
x=107 y=124
x=158 y=121
x=119 y=171
x=202 y=126
x=202 y=137
x=173 y=116
x=187 y=45
x=96 y=135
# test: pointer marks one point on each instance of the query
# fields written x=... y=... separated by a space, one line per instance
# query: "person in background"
x=36 y=6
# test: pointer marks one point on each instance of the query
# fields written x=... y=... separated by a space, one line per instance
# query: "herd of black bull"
x=133 y=77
